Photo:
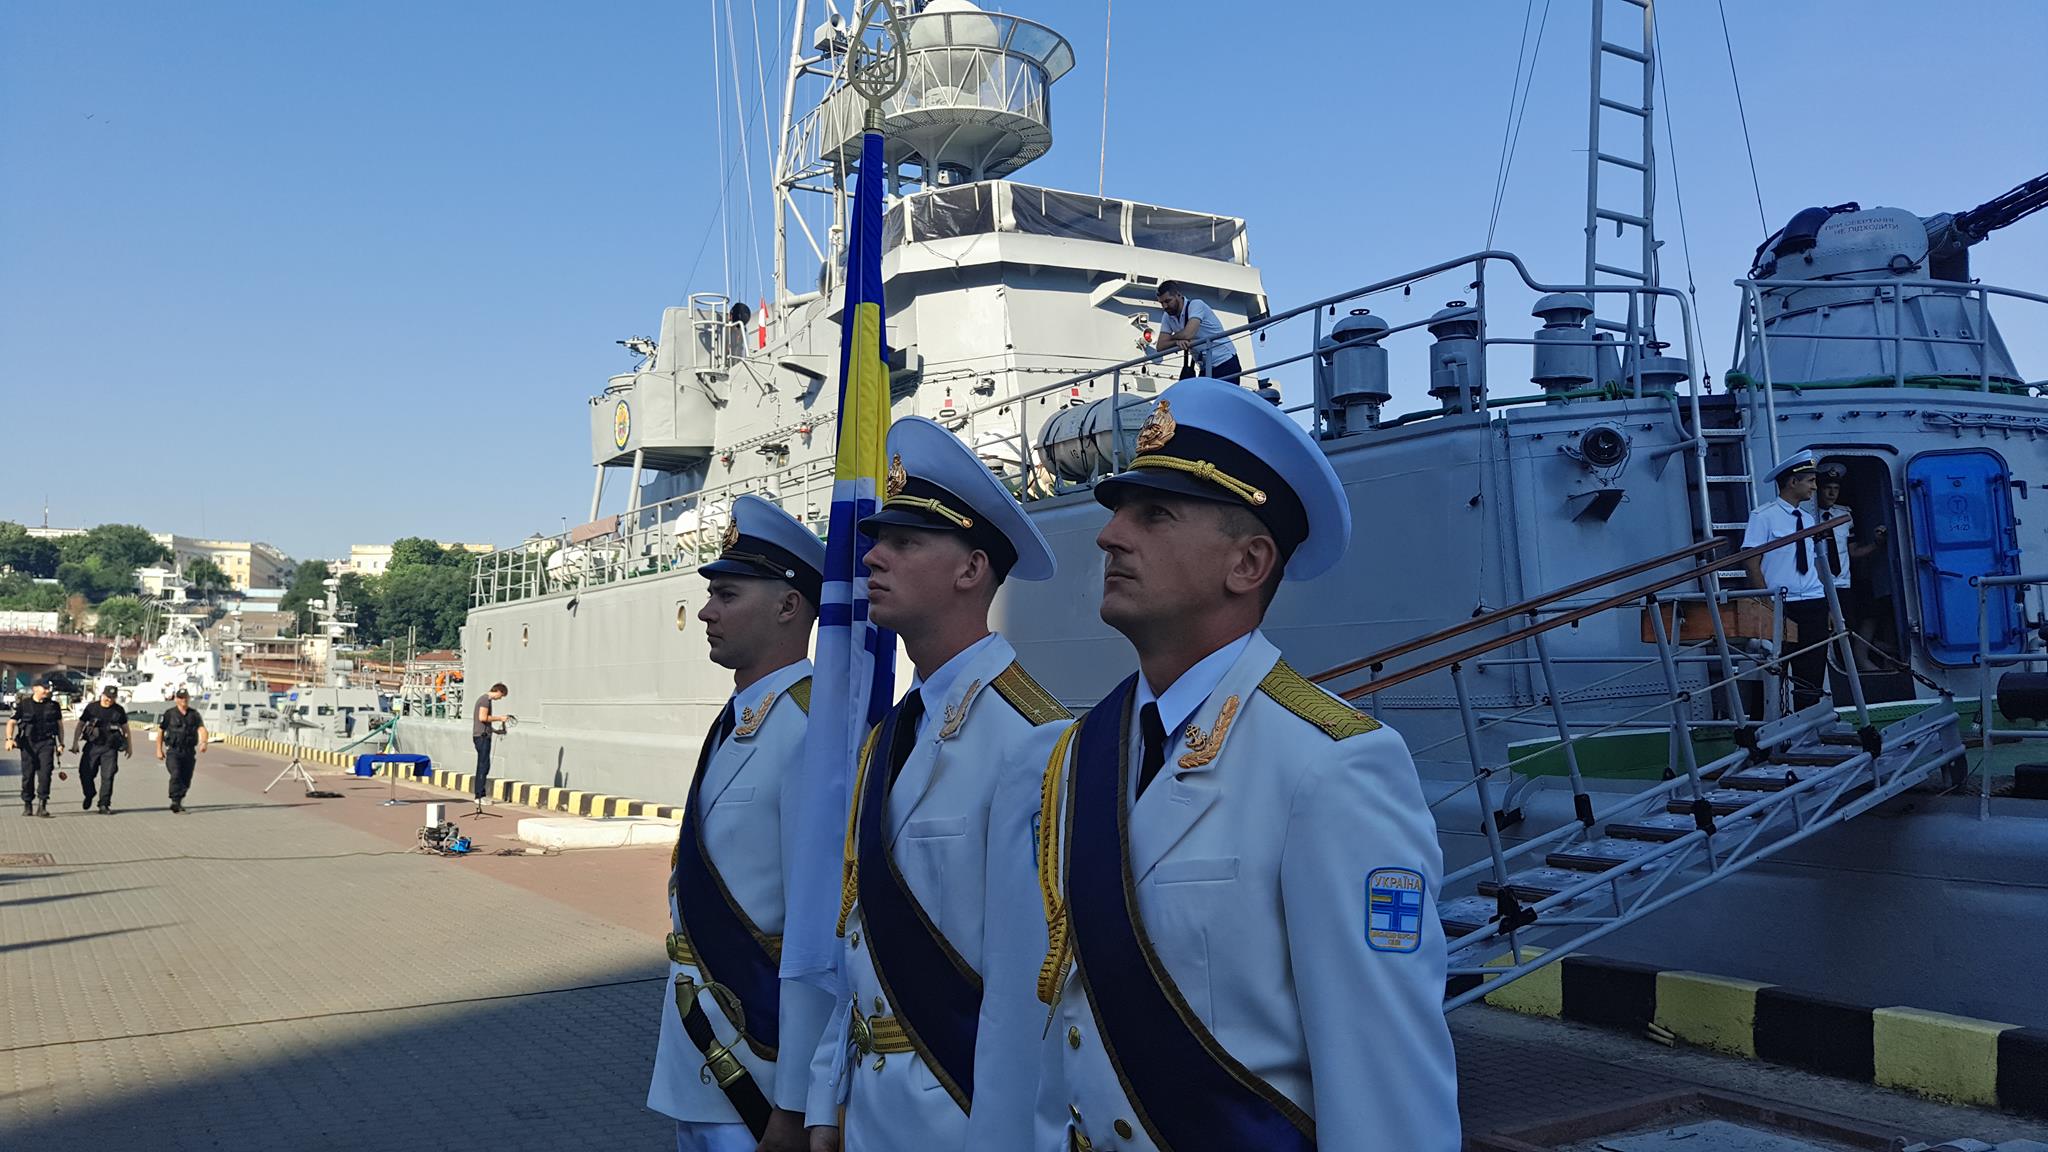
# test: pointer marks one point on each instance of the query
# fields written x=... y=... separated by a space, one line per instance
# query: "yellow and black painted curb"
x=569 y=800
x=1953 y=1058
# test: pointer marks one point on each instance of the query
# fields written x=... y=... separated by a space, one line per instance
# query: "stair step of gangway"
x=1533 y=884
x=1814 y=757
x=1761 y=778
x=1466 y=914
x=1599 y=855
x=1659 y=827
x=1722 y=800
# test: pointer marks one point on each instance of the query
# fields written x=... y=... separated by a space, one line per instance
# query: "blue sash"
x=1190 y=1094
x=936 y=994
x=730 y=950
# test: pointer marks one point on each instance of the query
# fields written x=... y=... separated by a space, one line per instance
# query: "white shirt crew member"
x=1814 y=515
x=1775 y=521
x=1210 y=347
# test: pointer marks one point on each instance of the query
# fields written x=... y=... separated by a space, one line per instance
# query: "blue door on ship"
x=1959 y=502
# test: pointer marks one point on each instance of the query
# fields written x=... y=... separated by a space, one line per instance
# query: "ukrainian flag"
x=853 y=681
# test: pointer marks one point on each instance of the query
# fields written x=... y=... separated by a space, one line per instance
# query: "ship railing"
x=1752 y=337
x=671 y=535
x=1659 y=602
x=1633 y=349
x=1986 y=662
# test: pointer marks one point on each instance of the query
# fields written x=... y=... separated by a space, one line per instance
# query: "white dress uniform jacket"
x=1252 y=867
x=748 y=829
x=980 y=739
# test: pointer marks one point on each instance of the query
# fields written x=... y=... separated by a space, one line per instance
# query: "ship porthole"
x=682 y=616
x=523 y=636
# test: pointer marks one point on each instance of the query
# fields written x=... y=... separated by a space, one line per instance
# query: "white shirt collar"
x=1186 y=694
x=748 y=687
x=939 y=684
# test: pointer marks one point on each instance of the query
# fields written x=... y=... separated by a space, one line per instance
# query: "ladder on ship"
x=1629 y=202
x=1525 y=905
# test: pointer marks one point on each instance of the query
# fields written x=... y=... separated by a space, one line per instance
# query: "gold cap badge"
x=897 y=476
x=732 y=532
x=1159 y=428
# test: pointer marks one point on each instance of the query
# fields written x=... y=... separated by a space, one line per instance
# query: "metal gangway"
x=1793 y=774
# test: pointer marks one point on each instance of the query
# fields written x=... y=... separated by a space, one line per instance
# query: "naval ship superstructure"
x=1498 y=507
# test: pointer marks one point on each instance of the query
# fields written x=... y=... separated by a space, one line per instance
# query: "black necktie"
x=1834 y=554
x=712 y=739
x=908 y=714
x=1799 y=549
x=1155 y=745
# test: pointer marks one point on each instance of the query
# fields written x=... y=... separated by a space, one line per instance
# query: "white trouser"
x=701 y=1136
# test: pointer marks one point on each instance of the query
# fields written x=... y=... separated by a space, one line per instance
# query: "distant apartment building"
x=375 y=559
x=248 y=564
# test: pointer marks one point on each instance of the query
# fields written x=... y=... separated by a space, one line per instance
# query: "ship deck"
x=276 y=971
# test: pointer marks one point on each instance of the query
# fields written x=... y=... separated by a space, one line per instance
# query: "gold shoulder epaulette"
x=1338 y=720
x=801 y=693
x=1024 y=694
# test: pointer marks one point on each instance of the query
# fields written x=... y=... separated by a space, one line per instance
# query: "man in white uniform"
x=734 y=1058
x=1795 y=570
x=1240 y=870
x=935 y=1050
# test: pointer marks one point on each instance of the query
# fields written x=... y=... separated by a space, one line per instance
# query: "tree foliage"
x=95 y=577
x=120 y=616
x=206 y=577
x=20 y=593
x=116 y=545
x=26 y=554
x=306 y=587
x=424 y=594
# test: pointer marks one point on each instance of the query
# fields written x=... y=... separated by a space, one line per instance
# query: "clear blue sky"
x=322 y=274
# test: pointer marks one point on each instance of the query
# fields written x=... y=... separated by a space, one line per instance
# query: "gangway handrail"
x=1529 y=605
x=1373 y=687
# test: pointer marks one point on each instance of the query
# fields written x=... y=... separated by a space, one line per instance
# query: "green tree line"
x=96 y=567
x=426 y=589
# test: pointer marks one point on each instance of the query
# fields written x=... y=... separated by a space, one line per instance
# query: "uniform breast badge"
x=1203 y=746
x=752 y=718
x=1158 y=429
x=956 y=714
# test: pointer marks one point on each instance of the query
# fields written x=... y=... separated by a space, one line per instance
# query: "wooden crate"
x=1750 y=620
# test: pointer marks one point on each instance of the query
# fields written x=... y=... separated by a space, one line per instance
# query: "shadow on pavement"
x=26 y=945
x=555 y=1070
x=57 y=897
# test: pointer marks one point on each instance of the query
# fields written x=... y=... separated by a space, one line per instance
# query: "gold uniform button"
x=1073 y=1037
x=854 y=941
x=1123 y=1129
x=879 y=1006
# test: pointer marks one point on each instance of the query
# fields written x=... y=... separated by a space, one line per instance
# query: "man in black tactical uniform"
x=36 y=729
x=184 y=740
x=103 y=727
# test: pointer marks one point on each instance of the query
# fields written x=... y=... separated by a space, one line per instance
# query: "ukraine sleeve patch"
x=1393 y=909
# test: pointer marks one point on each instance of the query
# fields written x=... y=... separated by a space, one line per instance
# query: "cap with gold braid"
x=1216 y=441
x=763 y=541
x=937 y=483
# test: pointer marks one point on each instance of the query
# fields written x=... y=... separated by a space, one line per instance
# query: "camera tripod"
x=296 y=771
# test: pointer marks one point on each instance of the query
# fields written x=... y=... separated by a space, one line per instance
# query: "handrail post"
x=1840 y=640
x=1480 y=777
x=1898 y=338
x=1983 y=699
x=1774 y=703
x=1582 y=804
x=1983 y=339
x=1681 y=728
x=1710 y=583
x=1116 y=421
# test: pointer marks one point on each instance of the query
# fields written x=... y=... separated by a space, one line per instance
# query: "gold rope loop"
x=1204 y=470
x=849 y=882
x=1053 y=971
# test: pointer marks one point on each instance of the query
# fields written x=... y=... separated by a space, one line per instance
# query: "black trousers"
x=180 y=761
x=480 y=786
x=1227 y=370
x=1809 y=669
x=96 y=772
x=38 y=760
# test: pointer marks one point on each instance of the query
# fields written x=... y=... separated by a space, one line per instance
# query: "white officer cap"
x=938 y=483
x=1216 y=441
x=763 y=541
x=1800 y=461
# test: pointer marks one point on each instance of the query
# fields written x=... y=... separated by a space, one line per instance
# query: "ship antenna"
x=1102 y=160
x=1762 y=220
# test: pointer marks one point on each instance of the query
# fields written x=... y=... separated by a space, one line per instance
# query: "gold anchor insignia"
x=750 y=718
x=1203 y=746
x=1159 y=428
x=956 y=714
x=732 y=532
x=897 y=476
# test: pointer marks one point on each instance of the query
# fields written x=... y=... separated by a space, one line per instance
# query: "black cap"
x=181 y=694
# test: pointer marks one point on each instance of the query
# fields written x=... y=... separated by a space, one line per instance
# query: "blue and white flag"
x=854 y=677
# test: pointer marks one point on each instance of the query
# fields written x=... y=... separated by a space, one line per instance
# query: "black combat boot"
x=43 y=809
